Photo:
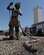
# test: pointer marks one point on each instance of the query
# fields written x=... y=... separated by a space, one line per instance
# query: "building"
x=37 y=14
x=38 y=27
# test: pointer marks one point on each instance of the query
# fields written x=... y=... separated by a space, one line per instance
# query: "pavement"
x=14 y=47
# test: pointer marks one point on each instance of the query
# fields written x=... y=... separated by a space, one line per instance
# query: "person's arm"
x=19 y=12
x=9 y=6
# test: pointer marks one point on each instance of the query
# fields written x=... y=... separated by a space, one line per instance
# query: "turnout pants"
x=13 y=23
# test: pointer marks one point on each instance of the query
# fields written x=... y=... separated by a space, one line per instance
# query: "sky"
x=27 y=17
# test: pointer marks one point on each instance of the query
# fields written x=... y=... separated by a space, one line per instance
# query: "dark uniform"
x=14 y=22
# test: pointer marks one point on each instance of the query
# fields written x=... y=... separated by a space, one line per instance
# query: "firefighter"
x=14 y=22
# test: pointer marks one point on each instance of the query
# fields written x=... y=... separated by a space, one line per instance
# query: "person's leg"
x=11 y=31
x=17 y=32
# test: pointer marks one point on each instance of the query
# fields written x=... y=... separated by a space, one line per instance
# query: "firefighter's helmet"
x=17 y=5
